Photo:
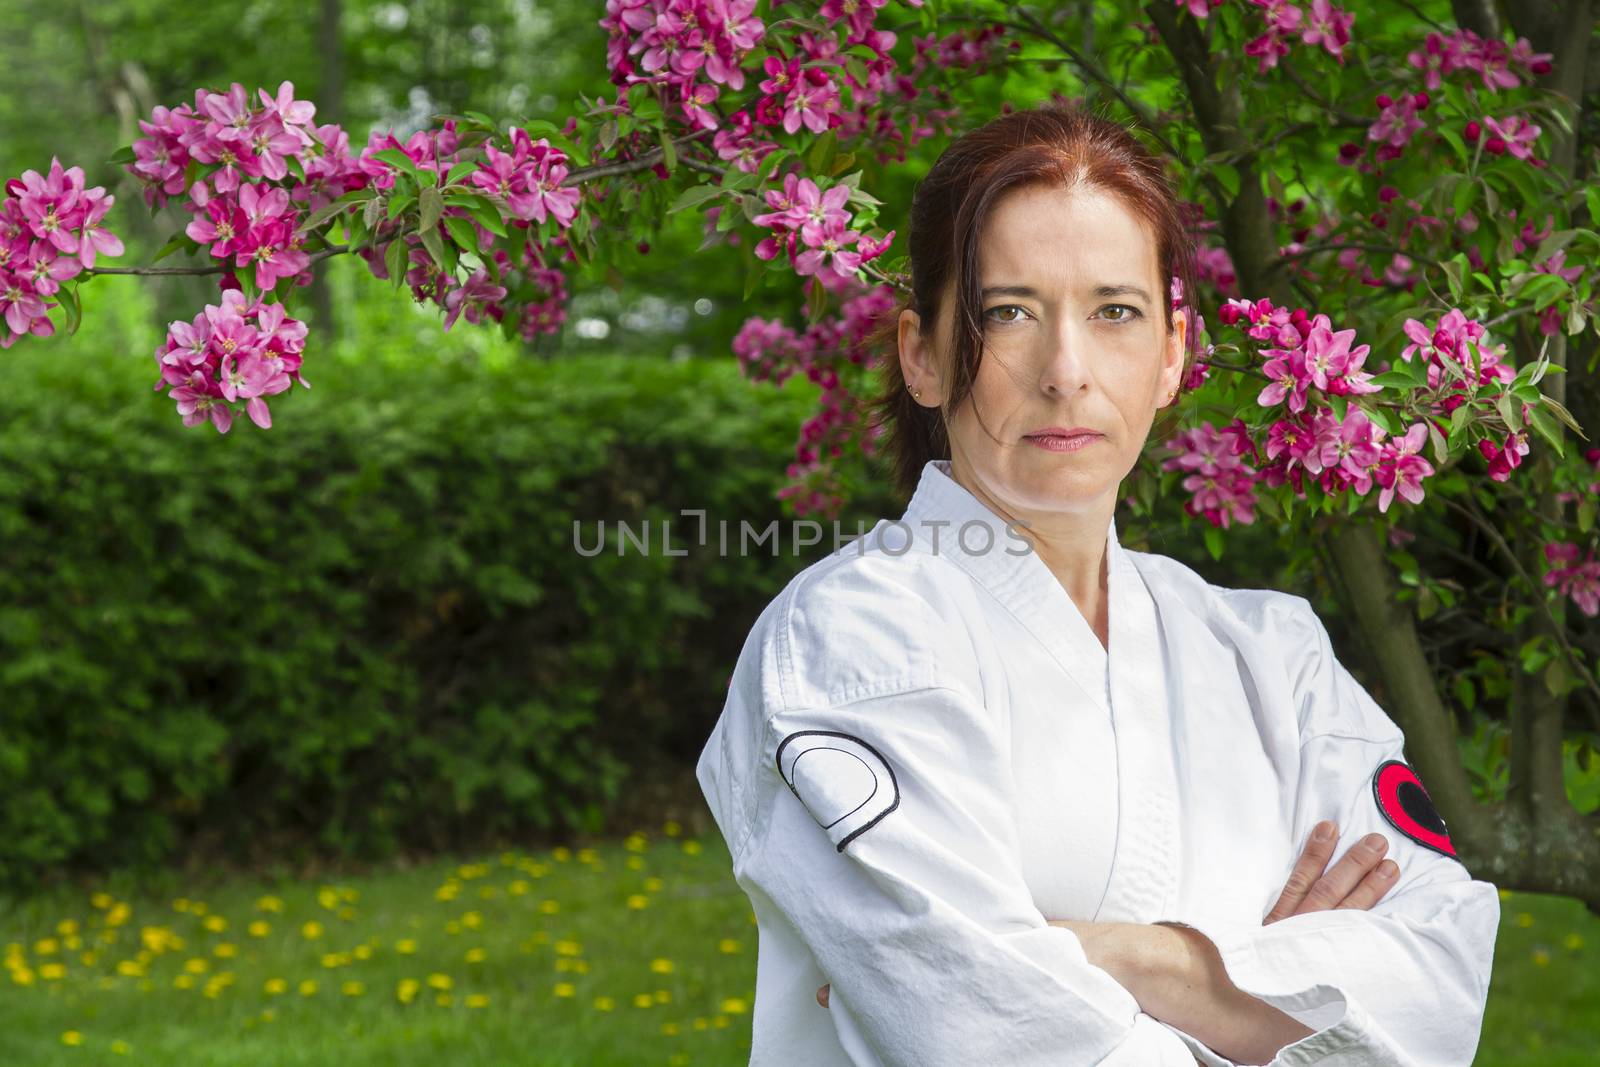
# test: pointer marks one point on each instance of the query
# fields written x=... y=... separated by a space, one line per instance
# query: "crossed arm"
x=1177 y=975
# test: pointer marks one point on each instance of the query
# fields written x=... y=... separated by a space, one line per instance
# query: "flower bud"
x=1472 y=130
x=1420 y=99
x=1384 y=101
x=1387 y=193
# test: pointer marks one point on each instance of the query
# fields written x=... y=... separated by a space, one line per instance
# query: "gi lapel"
x=1146 y=867
x=976 y=539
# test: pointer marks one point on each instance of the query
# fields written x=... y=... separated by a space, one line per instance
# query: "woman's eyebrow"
x=1099 y=290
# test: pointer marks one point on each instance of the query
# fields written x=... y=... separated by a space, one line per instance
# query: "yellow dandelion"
x=691 y=848
x=275 y=987
x=130 y=968
x=197 y=966
x=734 y=1006
x=1572 y=942
x=477 y=1000
x=1505 y=894
x=52 y=972
x=472 y=920
x=565 y=989
x=311 y=930
x=638 y=901
x=47 y=946
x=22 y=976
x=643 y=1000
x=331 y=960
x=352 y=988
x=272 y=904
x=405 y=946
x=1541 y=957
x=518 y=888
x=563 y=964
x=71 y=1037
x=671 y=829
x=198 y=907
x=215 y=923
x=1524 y=919
x=721 y=1022
x=363 y=952
x=259 y=928
x=549 y=907
x=439 y=981
x=308 y=987
x=72 y=944
x=728 y=946
x=661 y=966
x=701 y=1022
x=328 y=897
x=447 y=891
x=508 y=859
x=183 y=981
x=560 y=853
x=118 y=914
x=121 y=1047
x=569 y=948
x=67 y=927
x=452 y=927
x=407 y=990
x=669 y=1029
x=581 y=966
x=475 y=955
x=652 y=885
x=101 y=900
x=635 y=863
x=181 y=904
x=225 y=951
x=604 y=1004
x=663 y=996
x=635 y=843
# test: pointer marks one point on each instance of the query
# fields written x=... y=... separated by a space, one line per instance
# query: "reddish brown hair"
x=1052 y=145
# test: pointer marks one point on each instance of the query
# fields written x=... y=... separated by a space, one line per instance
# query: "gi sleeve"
x=1400 y=985
x=885 y=838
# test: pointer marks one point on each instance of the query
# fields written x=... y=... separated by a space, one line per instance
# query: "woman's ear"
x=917 y=359
x=1177 y=345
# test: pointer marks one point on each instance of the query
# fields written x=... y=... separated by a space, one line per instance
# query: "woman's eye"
x=1131 y=312
x=1004 y=307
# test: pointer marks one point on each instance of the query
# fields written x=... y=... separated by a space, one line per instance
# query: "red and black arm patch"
x=1406 y=805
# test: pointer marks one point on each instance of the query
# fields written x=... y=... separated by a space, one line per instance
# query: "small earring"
x=916 y=394
x=1171 y=395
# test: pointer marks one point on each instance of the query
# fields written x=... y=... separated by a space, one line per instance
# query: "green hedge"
x=367 y=628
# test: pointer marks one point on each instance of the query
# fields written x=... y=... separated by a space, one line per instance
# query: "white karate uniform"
x=926 y=754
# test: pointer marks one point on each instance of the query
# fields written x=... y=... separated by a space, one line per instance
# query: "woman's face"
x=1074 y=335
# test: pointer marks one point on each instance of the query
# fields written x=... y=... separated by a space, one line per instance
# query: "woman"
x=1021 y=796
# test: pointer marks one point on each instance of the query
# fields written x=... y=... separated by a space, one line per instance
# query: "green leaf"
x=1393 y=379
x=694 y=196
x=1546 y=427
x=396 y=158
x=1229 y=177
x=461 y=232
x=1591 y=197
x=430 y=206
x=123 y=155
x=394 y=260
x=72 y=305
x=669 y=154
x=179 y=240
x=1380 y=417
x=460 y=171
x=399 y=204
x=1214 y=541
x=1466 y=193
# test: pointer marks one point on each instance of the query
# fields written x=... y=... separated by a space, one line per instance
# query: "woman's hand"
x=1358 y=880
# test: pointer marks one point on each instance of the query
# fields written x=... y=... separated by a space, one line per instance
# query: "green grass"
x=559 y=932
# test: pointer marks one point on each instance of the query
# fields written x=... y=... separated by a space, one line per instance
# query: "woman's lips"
x=1056 y=443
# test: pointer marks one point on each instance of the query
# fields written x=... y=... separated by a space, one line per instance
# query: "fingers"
x=1312 y=862
x=822 y=995
x=1378 y=881
x=1332 y=888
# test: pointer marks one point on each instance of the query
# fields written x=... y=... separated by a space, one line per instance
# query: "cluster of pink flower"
x=232 y=352
x=805 y=215
x=1326 y=25
x=50 y=233
x=772 y=351
x=1220 y=483
x=679 y=42
x=1580 y=581
x=1304 y=352
x=1498 y=65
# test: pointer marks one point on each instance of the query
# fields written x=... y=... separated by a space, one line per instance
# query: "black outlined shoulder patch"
x=1403 y=801
x=846 y=784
